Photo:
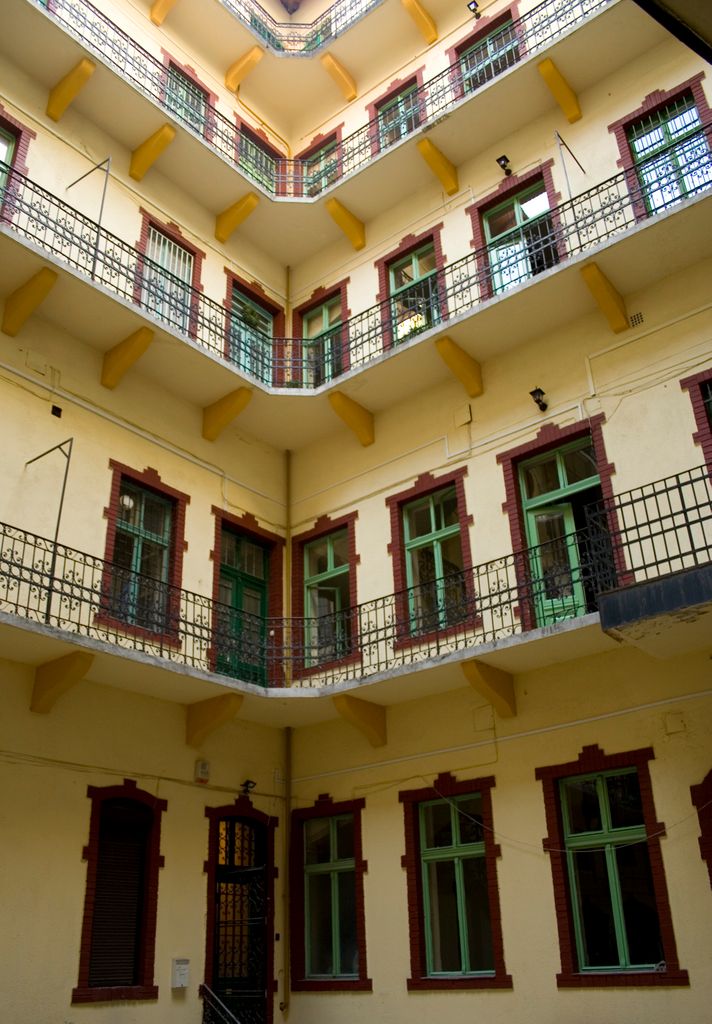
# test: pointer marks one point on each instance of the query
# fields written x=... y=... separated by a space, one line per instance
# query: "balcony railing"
x=644 y=534
x=604 y=212
x=296 y=178
x=300 y=39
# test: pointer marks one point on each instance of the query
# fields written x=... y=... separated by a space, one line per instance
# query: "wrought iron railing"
x=297 y=39
x=578 y=225
x=296 y=178
x=650 y=532
x=214 y=1010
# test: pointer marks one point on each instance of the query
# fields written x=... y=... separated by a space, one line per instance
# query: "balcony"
x=521 y=287
x=520 y=611
x=211 y=147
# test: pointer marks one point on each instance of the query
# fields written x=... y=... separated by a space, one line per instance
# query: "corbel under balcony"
x=345 y=81
x=609 y=300
x=119 y=359
x=220 y=414
x=442 y=168
x=54 y=678
x=68 y=88
x=204 y=717
x=355 y=416
x=462 y=365
x=238 y=72
x=160 y=9
x=424 y=22
x=145 y=155
x=22 y=303
x=231 y=218
x=349 y=223
x=364 y=715
x=494 y=685
x=560 y=90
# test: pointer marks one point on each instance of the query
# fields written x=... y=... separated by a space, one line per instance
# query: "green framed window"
x=520 y=238
x=241 y=620
x=251 y=335
x=609 y=875
x=398 y=116
x=458 y=932
x=489 y=57
x=330 y=898
x=437 y=591
x=671 y=154
x=321 y=168
x=414 y=292
x=321 y=330
x=186 y=100
x=142 y=553
x=327 y=598
x=7 y=152
x=258 y=162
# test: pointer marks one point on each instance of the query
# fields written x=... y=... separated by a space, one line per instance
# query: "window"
x=488 y=57
x=327 y=599
x=609 y=884
x=437 y=591
x=328 y=927
x=398 y=116
x=455 y=928
x=167 y=280
x=706 y=390
x=321 y=329
x=671 y=154
x=702 y=800
x=123 y=858
x=241 y=616
x=520 y=238
x=186 y=100
x=251 y=327
x=7 y=151
x=414 y=292
x=321 y=168
x=699 y=386
x=257 y=159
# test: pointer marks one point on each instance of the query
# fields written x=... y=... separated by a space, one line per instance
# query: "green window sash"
x=327 y=599
x=321 y=331
x=186 y=100
x=520 y=240
x=331 y=944
x=437 y=593
x=489 y=57
x=414 y=292
x=142 y=551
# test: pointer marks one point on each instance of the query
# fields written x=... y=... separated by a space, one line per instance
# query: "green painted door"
x=557 y=588
x=241 y=617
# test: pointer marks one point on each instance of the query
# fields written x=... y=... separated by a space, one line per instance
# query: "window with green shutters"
x=414 y=292
x=142 y=553
x=611 y=889
x=321 y=330
x=331 y=942
x=186 y=100
x=488 y=57
x=520 y=238
x=327 y=599
x=437 y=589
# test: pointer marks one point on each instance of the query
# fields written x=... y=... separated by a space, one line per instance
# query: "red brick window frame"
x=702 y=800
x=174 y=234
x=424 y=485
x=211 y=98
x=593 y=759
x=317 y=298
x=447 y=787
x=145 y=987
x=254 y=291
x=485 y=26
x=148 y=480
x=396 y=87
x=652 y=103
x=22 y=136
x=508 y=188
x=383 y=265
x=246 y=525
x=324 y=807
x=324 y=526
x=319 y=142
x=703 y=418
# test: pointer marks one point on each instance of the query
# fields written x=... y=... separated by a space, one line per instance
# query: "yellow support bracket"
x=351 y=226
x=356 y=418
x=423 y=21
x=609 y=300
x=119 y=359
x=160 y=9
x=145 y=155
x=368 y=718
x=560 y=90
x=221 y=413
x=442 y=168
x=467 y=370
x=69 y=87
x=206 y=716
x=494 y=685
x=238 y=72
x=24 y=301
x=229 y=220
x=345 y=81
x=54 y=678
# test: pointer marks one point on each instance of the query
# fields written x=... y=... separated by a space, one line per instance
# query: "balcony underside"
x=652 y=250
x=293 y=230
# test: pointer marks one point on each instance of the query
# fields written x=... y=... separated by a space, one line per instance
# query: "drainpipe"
x=286 y=935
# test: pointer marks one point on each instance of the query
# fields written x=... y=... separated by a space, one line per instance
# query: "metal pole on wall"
x=67 y=453
x=106 y=165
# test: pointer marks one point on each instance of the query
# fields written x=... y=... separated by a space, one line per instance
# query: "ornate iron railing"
x=578 y=225
x=214 y=1010
x=298 y=178
x=650 y=532
x=300 y=39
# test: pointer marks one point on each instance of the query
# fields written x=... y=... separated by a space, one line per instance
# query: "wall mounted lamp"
x=538 y=399
x=503 y=162
x=473 y=9
x=247 y=786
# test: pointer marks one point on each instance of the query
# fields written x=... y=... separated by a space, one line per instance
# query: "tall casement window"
x=702 y=800
x=605 y=849
x=143 y=546
x=455 y=931
x=167 y=278
x=671 y=154
x=398 y=116
x=414 y=292
x=327 y=599
x=241 y=622
x=322 y=332
x=486 y=58
x=520 y=239
x=251 y=335
x=328 y=930
x=437 y=590
x=321 y=168
x=186 y=100
x=7 y=152
x=259 y=161
x=123 y=858
x=699 y=386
